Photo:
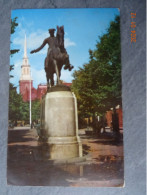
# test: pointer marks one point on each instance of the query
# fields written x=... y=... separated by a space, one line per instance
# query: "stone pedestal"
x=59 y=124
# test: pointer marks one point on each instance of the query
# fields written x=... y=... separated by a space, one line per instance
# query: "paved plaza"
x=104 y=165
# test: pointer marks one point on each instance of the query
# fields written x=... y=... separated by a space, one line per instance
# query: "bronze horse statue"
x=57 y=56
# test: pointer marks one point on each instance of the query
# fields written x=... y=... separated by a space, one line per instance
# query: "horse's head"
x=60 y=36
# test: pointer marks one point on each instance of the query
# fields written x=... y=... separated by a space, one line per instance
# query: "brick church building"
x=26 y=81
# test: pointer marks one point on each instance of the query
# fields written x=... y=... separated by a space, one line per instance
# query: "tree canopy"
x=14 y=98
x=14 y=24
x=97 y=84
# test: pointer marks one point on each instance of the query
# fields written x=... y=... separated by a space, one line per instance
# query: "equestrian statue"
x=57 y=56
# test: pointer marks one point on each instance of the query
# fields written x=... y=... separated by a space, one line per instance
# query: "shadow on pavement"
x=86 y=149
x=111 y=142
x=18 y=136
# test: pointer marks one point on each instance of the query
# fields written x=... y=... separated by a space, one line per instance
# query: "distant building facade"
x=120 y=117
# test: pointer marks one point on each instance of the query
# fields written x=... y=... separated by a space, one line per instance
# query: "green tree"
x=24 y=111
x=108 y=64
x=15 y=100
x=14 y=24
x=35 y=110
x=97 y=84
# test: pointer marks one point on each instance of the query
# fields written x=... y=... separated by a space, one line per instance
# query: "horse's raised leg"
x=67 y=63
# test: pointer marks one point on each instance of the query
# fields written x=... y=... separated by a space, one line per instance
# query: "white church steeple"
x=25 y=47
x=25 y=68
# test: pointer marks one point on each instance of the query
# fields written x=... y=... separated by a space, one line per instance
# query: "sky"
x=82 y=30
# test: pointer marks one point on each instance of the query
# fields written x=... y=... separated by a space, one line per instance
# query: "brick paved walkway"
x=103 y=167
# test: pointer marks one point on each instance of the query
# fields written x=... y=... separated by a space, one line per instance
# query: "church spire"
x=25 y=47
x=25 y=57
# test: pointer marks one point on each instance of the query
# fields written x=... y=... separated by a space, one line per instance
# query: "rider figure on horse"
x=52 y=42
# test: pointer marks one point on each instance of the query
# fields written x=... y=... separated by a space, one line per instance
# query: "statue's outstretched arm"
x=39 y=48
